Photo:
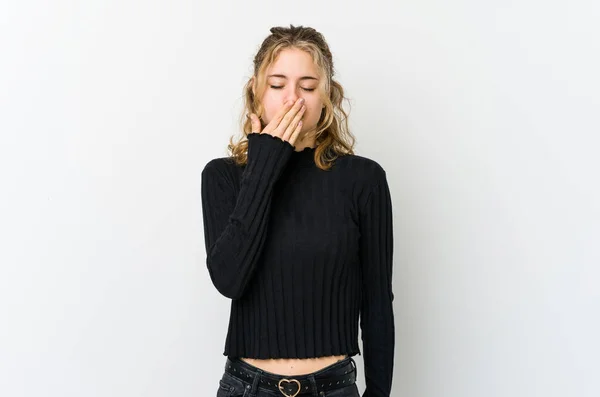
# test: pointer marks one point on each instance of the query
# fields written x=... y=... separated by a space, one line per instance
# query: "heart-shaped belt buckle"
x=288 y=381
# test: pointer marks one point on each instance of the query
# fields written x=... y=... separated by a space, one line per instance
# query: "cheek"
x=269 y=111
x=313 y=112
x=271 y=106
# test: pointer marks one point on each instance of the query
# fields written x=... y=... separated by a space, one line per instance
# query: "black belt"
x=290 y=385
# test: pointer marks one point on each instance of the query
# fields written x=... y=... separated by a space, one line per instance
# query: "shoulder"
x=368 y=176
x=218 y=163
x=220 y=168
x=365 y=171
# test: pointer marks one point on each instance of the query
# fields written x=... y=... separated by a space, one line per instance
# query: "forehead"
x=293 y=63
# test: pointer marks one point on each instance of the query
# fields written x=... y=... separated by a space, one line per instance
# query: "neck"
x=300 y=148
x=306 y=141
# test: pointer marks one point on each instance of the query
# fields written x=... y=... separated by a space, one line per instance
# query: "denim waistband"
x=340 y=367
x=244 y=377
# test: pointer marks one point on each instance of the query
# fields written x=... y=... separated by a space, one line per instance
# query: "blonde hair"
x=333 y=137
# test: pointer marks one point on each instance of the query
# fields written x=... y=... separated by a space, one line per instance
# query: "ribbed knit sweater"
x=302 y=252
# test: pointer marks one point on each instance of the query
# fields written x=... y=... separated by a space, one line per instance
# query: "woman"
x=298 y=233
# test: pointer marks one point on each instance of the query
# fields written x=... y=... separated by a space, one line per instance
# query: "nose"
x=292 y=95
x=292 y=98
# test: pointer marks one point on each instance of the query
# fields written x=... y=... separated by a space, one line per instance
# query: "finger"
x=294 y=136
x=274 y=123
x=294 y=123
x=287 y=119
x=255 y=123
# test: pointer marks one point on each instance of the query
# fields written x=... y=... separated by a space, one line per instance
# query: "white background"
x=483 y=113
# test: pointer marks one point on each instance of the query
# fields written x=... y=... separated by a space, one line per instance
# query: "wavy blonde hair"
x=333 y=137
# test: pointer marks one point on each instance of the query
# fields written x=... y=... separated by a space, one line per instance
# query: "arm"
x=235 y=226
x=377 y=316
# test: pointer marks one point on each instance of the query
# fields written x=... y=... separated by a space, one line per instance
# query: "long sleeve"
x=377 y=316
x=235 y=224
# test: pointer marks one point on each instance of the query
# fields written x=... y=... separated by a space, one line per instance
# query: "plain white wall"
x=484 y=114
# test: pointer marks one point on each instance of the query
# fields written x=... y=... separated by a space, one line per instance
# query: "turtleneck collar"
x=304 y=156
x=306 y=149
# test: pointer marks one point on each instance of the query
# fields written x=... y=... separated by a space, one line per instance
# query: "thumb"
x=255 y=123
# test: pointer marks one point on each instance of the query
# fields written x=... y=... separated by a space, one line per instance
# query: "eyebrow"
x=283 y=76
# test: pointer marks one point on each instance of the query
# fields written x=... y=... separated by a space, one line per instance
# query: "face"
x=293 y=76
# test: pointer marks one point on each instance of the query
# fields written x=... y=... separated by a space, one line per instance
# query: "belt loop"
x=257 y=374
x=313 y=384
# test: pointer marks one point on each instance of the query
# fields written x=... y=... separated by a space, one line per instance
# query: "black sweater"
x=301 y=252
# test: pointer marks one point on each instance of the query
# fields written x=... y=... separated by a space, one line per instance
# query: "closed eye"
x=276 y=87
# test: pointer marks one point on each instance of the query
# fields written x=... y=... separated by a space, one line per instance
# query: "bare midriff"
x=293 y=366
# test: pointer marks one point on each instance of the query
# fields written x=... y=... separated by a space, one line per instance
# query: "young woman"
x=298 y=233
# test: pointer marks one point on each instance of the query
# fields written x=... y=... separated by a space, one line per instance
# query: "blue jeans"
x=242 y=379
